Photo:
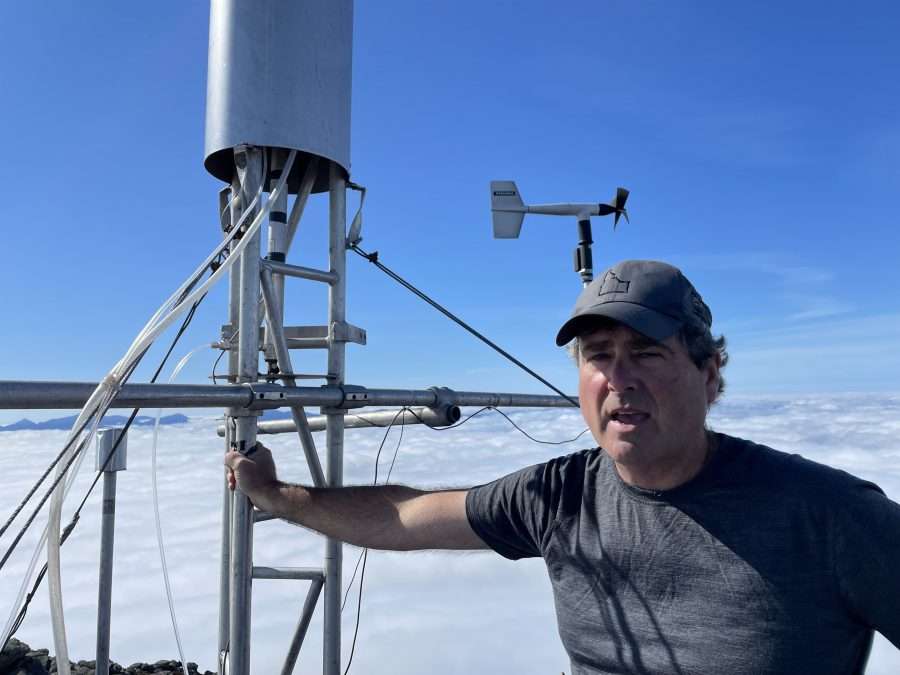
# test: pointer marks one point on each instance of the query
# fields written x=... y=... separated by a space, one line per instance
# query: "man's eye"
x=598 y=356
x=649 y=355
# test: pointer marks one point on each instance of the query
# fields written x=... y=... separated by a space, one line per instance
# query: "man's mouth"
x=630 y=418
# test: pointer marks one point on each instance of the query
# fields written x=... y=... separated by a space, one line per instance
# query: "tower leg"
x=245 y=427
x=334 y=433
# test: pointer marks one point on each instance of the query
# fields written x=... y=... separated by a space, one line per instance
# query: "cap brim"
x=649 y=322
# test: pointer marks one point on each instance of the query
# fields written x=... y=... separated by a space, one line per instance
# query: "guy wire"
x=373 y=258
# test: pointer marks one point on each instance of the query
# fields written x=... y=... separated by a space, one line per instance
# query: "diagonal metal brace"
x=273 y=317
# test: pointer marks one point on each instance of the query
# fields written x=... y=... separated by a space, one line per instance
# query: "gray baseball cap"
x=651 y=297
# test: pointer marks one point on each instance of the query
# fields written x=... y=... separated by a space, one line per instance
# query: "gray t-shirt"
x=763 y=563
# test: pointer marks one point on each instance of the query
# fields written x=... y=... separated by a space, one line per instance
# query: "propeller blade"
x=619 y=206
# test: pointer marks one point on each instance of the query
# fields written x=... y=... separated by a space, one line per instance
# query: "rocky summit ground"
x=18 y=658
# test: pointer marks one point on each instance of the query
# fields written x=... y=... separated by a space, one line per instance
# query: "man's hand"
x=254 y=474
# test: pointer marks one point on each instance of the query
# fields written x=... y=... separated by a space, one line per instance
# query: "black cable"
x=43 y=477
x=134 y=412
x=218 y=358
x=77 y=514
x=81 y=446
x=373 y=258
x=447 y=428
x=381 y=426
x=508 y=419
x=221 y=354
x=40 y=480
x=396 y=450
x=364 y=556
x=537 y=440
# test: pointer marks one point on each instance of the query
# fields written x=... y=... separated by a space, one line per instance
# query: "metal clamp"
x=341 y=331
x=353 y=396
x=265 y=396
x=443 y=397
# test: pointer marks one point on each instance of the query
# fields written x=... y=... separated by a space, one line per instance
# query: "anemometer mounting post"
x=584 y=264
x=508 y=211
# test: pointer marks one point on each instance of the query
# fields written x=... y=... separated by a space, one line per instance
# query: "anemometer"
x=509 y=211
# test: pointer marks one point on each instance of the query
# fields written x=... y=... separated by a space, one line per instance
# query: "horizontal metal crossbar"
x=28 y=395
x=300 y=272
x=433 y=417
x=294 y=573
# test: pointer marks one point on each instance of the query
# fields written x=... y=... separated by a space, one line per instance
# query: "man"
x=670 y=548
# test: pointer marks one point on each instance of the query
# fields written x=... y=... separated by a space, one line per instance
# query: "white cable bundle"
x=102 y=397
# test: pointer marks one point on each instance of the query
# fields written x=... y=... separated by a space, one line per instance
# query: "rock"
x=166 y=664
x=13 y=655
x=20 y=659
x=40 y=657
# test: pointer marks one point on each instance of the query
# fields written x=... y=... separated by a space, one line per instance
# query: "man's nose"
x=621 y=374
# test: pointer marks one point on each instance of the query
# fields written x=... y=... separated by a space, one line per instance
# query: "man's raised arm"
x=388 y=517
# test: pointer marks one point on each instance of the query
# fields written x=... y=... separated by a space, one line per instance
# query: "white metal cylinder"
x=279 y=76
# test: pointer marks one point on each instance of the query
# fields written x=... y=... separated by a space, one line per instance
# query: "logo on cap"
x=613 y=284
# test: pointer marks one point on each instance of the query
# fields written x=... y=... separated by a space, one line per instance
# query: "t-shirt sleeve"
x=514 y=514
x=867 y=558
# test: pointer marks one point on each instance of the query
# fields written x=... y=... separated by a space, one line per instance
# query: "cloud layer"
x=422 y=612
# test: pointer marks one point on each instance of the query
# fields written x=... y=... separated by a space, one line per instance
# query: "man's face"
x=644 y=401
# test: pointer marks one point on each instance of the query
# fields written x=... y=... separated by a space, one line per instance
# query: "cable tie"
x=112 y=380
x=68 y=529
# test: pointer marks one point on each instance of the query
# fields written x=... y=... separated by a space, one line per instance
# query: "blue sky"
x=760 y=144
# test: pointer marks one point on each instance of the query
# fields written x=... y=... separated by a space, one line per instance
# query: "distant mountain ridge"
x=65 y=423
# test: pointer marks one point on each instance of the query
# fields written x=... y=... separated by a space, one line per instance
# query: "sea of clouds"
x=421 y=612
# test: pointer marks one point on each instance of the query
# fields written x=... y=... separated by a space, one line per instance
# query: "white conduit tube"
x=159 y=534
x=7 y=631
x=109 y=387
x=103 y=396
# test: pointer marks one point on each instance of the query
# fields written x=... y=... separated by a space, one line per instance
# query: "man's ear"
x=712 y=376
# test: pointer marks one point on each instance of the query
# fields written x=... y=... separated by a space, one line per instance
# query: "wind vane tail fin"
x=507 y=209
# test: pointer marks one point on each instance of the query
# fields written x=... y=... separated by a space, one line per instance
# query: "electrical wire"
x=34 y=489
x=373 y=258
x=447 y=428
x=365 y=554
x=81 y=446
x=508 y=419
x=221 y=354
x=84 y=420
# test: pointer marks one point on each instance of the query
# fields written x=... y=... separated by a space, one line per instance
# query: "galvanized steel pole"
x=234 y=312
x=23 y=394
x=250 y=159
x=334 y=432
x=109 y=462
